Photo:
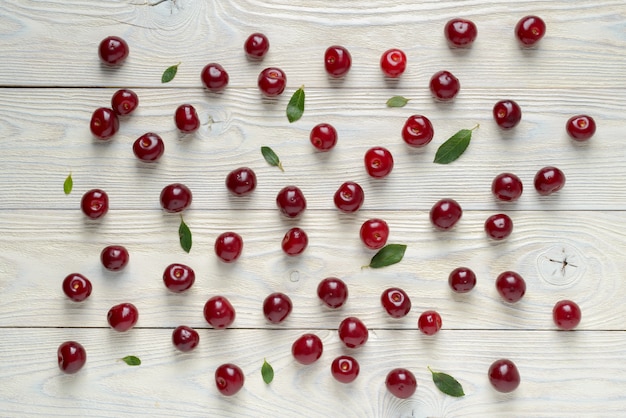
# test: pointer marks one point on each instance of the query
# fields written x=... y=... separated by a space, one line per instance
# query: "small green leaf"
x=454 y=147
x=169 y=73
x=267 y=372
x=447 y=384
x=68 y=184
x=295 y=107
x=397 y=101
x=271 y=157
x=388 y=255
x=184 y=233
x=132 y=360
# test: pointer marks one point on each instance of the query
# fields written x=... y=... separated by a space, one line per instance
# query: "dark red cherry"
x=460 y=33
x=219 y=312
x=185 y=338
x=124 y=102
x=175 y=197
x=114 y=257
x=256 y=46
x=291 y=201
x=307 y=349
x=272 y=82
x=123 y=317
x=396 y=302
x=229 y=379
x=295 y=242
x=345 y=369
x=77 y=287
x=401 y=383
x=504 y=376
x=104 y=123
x=333 y=292
x=149 y=147
x=349 y=197
x=529 y=30
x=417 y=131
x=241 y=181
x=214 y=77
x=337 y=61
x=178 y=277
x=71 y=357
x=277 y=307
x=228 y=246
x=186 y=118
x=113 y=50
x=95 y=203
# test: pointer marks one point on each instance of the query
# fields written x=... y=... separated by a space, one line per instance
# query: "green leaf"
x=184 y=233
x=267 y=372
x=447 y=384
x=132 y=360
x=388 y=255
x=397 y=101
x=295 y=107
x=454 y=147
x=169 y=73
x=68 y=184
x=271 y=157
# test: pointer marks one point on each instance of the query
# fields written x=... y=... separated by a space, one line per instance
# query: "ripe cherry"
x=276 y=307
x=178 y=277
x=295 y=242
x=114 y=257
x=175 y=197
x=185 y=338
x=401 y=383
x=76 y=287
x=71 y=357
x=549 y=180
x=307 y=349
x=272 y=82
x=378 y=162
x=396 y=302
x=507 y=114
x=95 y=203
x=323 y=137
x=214 y=77
x=374 y=233
x=566 y=314
x=529 y=30
x=149 y=147
x=186 y=118
x=333 y=292
x=462 y=280
x=444 y=86
x=445 y=213
x=123 y=317
x=349 y=197
x=291 y=202
x=113 y=50
x=104 y=123
x=345 y=369
x=241 y=181
x=353 y=332
x=498 y=226
x=218 y=312
x=228 y=246
x=229 y=379
x=511 y=286
x=393 y=62
x=256 y=46
x=429 y=322
x=460 y=33
x=507 y=187
x=417 y=131
x=580 y=127
x=337 y=61
x=504 y=376
x=124 y=102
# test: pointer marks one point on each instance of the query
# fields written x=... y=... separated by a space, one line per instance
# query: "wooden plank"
x=41 y=247
x=559 y=377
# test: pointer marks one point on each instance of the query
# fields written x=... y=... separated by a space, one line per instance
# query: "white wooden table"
x=51 y=80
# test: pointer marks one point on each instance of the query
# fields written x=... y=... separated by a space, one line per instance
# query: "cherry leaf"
x=295 y=107
x=447 y=384
x=169 y=73
x=454 y=147
x=184 y=233
x=267 y=371
x=397 y=101
x=271 y=157
x=132 y=360
x=68 y=184
x=388 y=255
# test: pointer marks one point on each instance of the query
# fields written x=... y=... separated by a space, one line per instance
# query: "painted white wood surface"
x=51 y=81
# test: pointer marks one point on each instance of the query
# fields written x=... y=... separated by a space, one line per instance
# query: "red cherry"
x=323 y=137
x=277 y=307
x=295 y=242
x=444 y=86
x=272 y=82
x=185 y=338
x=218 y=312
x=241 y=181
x=507 y=114
x=498 y=226
x=417 y=131
x=123 y=317
x=95 y=203
x=337 y=61
x=186 y=118
x=378 y=162
x=529 y=30
x=256 y=46
x=175 y=197
x=76 y=287
x=393 y=62
x=149 y=147
x=401 y=383
x=566 y=314
x=71 y=357
x=349 y=197
x=511 y=286
x=113 y=50
x=396 y=302
x=345 y=369
x=104 y=123
x=460 y=33
x=333 y=292
x=429 y=322
x=353 y=332
x=374 y=233
x=214 y=77
x=580 y=127
x=124 y=102
x=307 y=349
x=462 y=280
x=504 y=376
x=445 y=213
x=507 y=187
x=549 y=180
x=114 y=257
x=291 y=202
x=178 y=277
x=228 y=246
x=229 y=379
